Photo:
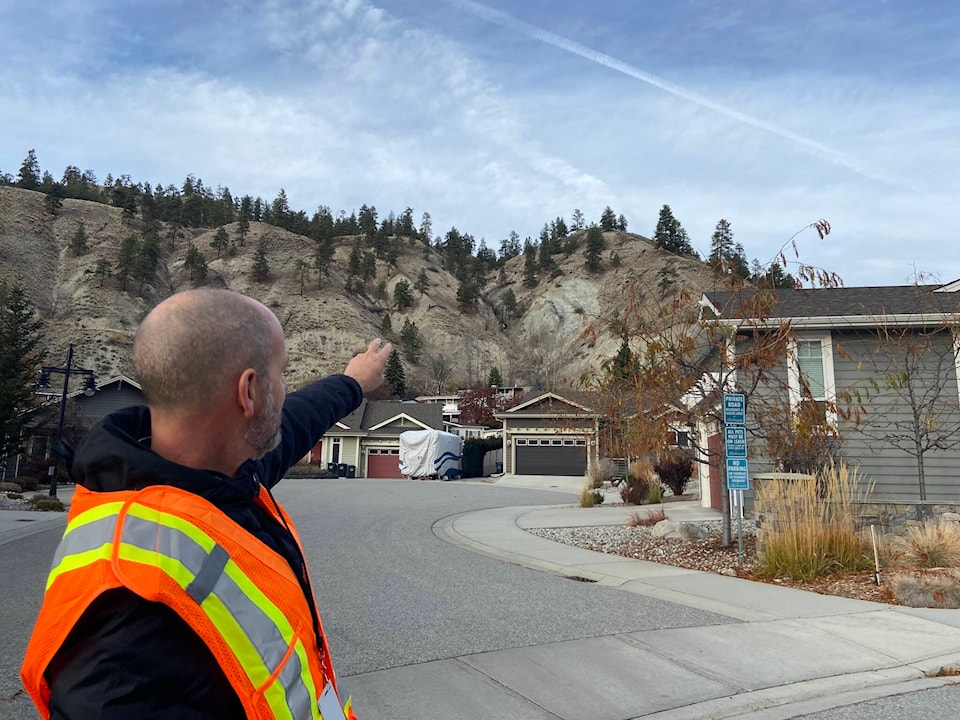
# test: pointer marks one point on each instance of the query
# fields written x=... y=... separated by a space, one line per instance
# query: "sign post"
x=735 y=451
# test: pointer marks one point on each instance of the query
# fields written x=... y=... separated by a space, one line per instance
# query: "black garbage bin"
x=331 y=468
x=342 y=470
x=352 y=471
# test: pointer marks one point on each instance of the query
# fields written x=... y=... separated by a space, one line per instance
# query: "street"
x=393 y=595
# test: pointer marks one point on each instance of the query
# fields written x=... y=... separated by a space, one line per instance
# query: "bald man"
x=125 y=630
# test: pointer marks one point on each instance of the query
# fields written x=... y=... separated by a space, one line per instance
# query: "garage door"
x=383 y=463
x=551 y=456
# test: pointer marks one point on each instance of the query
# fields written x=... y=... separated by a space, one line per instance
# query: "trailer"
x=430 y=454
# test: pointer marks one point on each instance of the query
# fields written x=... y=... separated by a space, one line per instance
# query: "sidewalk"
x=793 y=653
x=15 y=524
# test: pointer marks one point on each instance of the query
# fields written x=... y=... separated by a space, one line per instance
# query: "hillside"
x=325 y=326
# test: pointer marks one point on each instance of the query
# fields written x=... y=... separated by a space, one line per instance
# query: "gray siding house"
x=881 y=365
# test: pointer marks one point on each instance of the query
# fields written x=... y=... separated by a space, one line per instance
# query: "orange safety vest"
x=171 y=546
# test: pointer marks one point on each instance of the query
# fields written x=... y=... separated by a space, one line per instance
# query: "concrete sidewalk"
x=794 y=652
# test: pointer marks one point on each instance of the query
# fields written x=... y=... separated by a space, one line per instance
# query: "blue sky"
x=499 y=116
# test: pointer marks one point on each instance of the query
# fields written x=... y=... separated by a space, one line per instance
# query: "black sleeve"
x=307 y=414
x=131 y=658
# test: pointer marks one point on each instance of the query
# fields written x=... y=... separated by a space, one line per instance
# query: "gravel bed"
x=639 y=543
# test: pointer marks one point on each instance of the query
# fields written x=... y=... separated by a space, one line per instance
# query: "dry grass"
x=934 y=591
x=816 y=535
x=648 y=519
x=590 y=497
x=931 y=545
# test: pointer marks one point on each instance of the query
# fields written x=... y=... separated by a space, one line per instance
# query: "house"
x=368 y=439
x=876 y=366
x=550 y=434
x=85 y=407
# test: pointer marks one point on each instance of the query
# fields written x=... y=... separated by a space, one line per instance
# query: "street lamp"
x=60 y=448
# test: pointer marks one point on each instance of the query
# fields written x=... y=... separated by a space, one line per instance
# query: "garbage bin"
x=499 y=467
x=331 y=468
x=342 y=470
x=352 y=471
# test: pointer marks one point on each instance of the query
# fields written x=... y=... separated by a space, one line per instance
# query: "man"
x=180 y=588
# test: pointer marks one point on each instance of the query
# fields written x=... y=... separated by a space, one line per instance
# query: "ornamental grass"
x=815 y=527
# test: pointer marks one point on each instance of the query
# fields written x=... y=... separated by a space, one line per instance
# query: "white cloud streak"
x=820 y=150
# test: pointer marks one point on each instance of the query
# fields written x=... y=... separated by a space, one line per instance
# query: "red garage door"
x=383 y=463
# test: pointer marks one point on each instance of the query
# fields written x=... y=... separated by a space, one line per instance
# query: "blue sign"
x=735 y=439
x=738 y=474
x=734 y=409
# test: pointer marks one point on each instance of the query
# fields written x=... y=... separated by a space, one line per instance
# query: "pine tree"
x=422 y=283
x=322 y=259
x=411 y=341
x=29 y=175
x=402 y=295
x=670 y=235
x=494 y=377
x=608 y=219
x=386 y=325
x=594 y=251
x=394 y=375
x=103 y=269
x=303 y=272
x=127 y=259
x=529 y=263
x=20 y=359
x=220 y=240
x=79 y=241
x=261 y=268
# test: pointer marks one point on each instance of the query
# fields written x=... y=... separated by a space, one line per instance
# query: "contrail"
x=524 y=28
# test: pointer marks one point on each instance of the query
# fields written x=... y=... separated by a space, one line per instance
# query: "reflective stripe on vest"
x=256 y=631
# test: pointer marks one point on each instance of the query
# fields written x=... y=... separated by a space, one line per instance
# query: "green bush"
x=654 y=494
x=473 y=451
x=47 y=504
x=590 y=497
x=14 y=495
x=10 y=486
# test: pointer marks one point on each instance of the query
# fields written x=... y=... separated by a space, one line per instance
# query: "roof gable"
x=550 y=403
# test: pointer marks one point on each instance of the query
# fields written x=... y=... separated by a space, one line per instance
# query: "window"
x=810 y=368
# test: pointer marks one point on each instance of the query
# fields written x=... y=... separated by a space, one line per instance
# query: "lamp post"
x=90 y=387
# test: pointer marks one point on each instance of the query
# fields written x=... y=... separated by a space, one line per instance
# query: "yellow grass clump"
x=815 y=526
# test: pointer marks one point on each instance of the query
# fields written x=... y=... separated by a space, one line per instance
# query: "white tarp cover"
x=426 y=453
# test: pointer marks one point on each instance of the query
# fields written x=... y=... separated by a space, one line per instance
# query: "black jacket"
x=131 y=658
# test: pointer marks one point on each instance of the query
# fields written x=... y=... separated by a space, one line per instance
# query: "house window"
x=810 y=368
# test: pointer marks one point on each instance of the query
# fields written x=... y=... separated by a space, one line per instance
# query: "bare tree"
x=911 y=394
x=440 y=371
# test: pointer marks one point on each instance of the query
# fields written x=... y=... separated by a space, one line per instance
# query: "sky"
x=501 y=116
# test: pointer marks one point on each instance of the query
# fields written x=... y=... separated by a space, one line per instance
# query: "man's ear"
x=245 y=392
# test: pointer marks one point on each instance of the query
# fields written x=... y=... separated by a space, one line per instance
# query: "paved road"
x=394 y=594
x=391 y=593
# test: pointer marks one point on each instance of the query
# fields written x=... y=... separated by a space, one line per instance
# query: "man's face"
x=264 y=432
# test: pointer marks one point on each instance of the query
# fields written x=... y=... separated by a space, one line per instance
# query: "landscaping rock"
x=678 y=530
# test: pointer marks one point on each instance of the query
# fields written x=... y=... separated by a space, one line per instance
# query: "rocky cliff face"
x=543 y=343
